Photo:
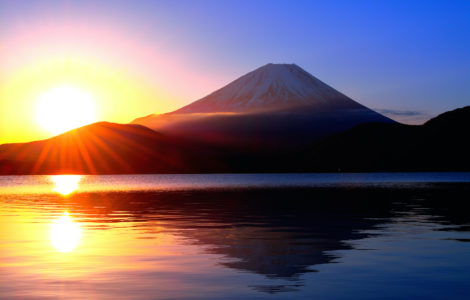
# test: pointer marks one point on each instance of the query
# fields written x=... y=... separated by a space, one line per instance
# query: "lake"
x=235 y=236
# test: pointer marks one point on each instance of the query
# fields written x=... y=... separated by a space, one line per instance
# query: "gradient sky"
x=407 y=59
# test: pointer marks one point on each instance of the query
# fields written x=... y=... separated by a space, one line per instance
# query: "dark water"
x=297 y=236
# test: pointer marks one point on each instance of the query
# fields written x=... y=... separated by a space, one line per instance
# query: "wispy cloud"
x=405 y=116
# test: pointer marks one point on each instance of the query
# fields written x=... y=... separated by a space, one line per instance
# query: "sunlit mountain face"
x=100 y=148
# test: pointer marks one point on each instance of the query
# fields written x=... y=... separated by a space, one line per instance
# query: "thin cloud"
x=406 y=116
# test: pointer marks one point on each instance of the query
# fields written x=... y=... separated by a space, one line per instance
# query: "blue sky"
x=409 y=59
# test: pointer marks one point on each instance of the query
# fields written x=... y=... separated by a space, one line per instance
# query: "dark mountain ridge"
x=440 y=144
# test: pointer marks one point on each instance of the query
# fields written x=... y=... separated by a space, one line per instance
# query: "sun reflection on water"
x=65 y=233
x=66 y=184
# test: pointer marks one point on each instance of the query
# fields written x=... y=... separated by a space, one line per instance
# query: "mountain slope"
x=102 y=148
x=441 y=144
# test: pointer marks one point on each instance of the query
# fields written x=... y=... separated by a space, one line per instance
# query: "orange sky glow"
x=135 y=58
x=127 y=77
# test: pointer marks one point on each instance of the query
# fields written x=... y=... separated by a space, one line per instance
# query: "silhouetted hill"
x=103 y=148
x=441 y=144
x=106 y=148
x=451 y=119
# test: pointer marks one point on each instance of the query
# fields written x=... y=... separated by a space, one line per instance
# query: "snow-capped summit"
x=271 y=87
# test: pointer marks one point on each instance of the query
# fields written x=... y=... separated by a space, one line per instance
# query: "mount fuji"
x=272 y=87
x=276 y=105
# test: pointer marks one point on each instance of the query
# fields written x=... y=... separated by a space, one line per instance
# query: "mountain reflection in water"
x=280 y=234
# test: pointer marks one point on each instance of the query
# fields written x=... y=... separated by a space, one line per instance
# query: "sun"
x=64 y=108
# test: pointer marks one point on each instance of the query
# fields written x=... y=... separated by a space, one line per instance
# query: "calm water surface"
x=290 y=236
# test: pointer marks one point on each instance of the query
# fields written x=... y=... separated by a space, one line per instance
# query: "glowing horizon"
x=99 y=58
x=153 y=57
